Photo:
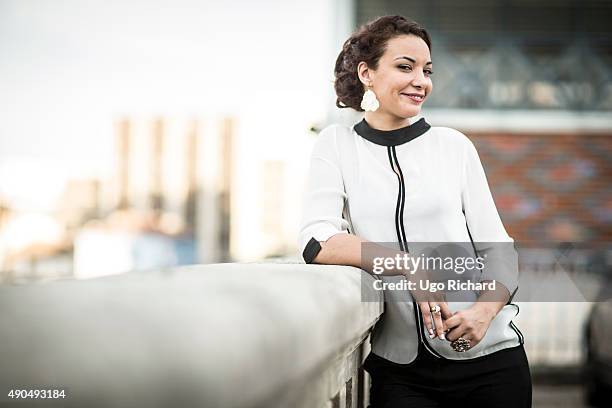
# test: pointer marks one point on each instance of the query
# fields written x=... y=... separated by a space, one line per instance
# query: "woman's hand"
x=435 y=326
x=427 y=301
x=471 y=324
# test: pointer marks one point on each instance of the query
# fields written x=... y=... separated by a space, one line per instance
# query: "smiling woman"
x=394 y=178
x=391 y=59
x=401 y=86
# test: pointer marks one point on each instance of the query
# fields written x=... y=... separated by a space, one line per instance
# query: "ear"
x=364 y=73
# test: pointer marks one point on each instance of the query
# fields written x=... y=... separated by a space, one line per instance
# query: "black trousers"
x=501 y=379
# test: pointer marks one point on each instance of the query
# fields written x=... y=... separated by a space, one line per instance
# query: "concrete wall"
x=219 y=335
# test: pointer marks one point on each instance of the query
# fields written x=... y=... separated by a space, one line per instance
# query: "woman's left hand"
x=471 y=324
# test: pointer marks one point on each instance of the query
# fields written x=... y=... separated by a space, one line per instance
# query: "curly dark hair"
x=368 y=43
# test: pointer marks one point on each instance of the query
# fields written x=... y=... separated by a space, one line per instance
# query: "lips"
x=415 y=96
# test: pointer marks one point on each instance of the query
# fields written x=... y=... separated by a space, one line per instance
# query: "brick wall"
x=550 y=187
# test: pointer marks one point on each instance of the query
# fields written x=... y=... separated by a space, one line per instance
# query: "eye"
x=408 y=67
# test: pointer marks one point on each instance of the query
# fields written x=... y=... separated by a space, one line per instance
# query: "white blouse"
x=415 y=184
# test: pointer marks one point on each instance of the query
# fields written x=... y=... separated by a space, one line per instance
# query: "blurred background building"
x=137 y=135
x=530 y=82
x=145 y=134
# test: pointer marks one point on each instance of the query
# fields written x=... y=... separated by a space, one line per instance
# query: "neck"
x=386 y=121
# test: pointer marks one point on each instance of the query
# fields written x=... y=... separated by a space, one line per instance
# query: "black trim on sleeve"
x=311 y=250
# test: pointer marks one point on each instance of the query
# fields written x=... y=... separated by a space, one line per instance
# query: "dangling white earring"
x=369 y=102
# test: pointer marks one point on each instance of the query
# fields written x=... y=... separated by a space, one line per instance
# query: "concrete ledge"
x=220 y=335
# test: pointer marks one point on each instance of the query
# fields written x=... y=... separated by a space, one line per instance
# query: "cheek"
x=395 y=87
x=395 y=82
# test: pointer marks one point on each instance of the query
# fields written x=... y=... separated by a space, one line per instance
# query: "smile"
x=416 y=98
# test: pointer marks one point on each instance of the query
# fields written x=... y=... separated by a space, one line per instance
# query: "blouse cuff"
x=321 y=233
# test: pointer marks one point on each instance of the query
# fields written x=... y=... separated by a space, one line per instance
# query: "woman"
x=394 y=178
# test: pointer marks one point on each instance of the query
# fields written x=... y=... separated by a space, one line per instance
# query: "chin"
x=408 y=113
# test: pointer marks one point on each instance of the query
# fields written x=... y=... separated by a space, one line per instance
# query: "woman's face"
x=403 y=69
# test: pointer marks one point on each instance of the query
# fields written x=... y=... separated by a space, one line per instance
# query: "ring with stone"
x=460 y=345
x=435 y=309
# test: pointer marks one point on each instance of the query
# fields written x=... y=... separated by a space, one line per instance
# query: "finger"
x=469 y=338
x=453 y=321
x=426 y=312
x=445 y=310
x=465 y=337
x=468 y=335
x=455 y=333
x=473 y=337
x=439 y=325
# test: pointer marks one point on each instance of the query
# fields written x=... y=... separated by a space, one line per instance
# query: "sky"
x=69 y=68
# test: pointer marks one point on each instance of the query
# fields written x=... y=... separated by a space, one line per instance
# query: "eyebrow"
x=412 y=60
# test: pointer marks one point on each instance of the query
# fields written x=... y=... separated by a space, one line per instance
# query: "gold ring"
x=460 y=345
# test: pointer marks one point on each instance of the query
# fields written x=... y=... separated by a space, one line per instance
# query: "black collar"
x=393 y=137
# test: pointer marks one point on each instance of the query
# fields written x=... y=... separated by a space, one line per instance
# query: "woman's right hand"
x=434 y=322
x=427 y=300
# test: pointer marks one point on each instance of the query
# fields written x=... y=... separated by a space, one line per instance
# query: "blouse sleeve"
x=484 y=224
x=324 y=196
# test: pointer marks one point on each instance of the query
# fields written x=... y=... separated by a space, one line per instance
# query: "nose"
x=418 y=81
